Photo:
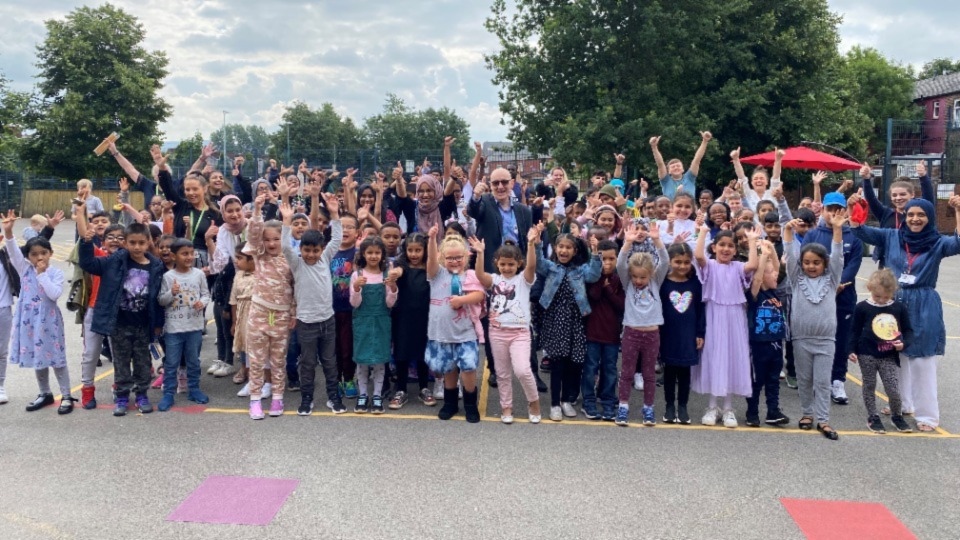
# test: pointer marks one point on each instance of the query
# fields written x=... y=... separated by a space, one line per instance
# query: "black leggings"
x=679 y=377
x=564 y=380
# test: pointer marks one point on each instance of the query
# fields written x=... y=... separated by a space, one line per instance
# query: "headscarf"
x=428 y=214
x=923 y=241
x=253 y=188
x=236 y=228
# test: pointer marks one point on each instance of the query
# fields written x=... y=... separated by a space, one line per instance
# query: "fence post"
x=886 y=163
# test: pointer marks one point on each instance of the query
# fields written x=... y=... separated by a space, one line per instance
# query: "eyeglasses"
x=114 y=238
x=348 y=227
x=155 y=204
x=453 y=259
x=499 y=182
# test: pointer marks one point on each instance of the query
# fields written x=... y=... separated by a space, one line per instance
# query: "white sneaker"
x=214 y=367
x=729 y=419
x=638 y=381
x=568 y=410
x=245 y=391
x=438 y=389
x=839 y=393
x=506 y=418
x=329 y=404
x=3 y=395
x=534 y=418
x=783 y=374
x=267 y=391
x=225 y=369
x=556 y=414
x=710 y=417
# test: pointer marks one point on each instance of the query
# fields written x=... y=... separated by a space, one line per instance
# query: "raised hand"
x=867 y=172
x=286 y=211
x=55 y=220
x=175 y=288
x=448 y=140
x=654 y=141
x=778 y=193
x=533 y=235
x=478 y=147
x=432 y=233
x=208 y=150
x=259 y=202
x=363 y=213
x=124 y=184
x=780 y=153
x=620 y=158
x=333 y=205
x=158 y=158
x=594 y=242
x=478 y=245
x=359 y=283
x=631 y=233
x=211 y=232
x=706 y=136
x=735 y=154
x=644 y=185
x=839 y=218
x=921 y=169
x=653 y=233
x=678 y=239
x=753 y=234
x=818 y=177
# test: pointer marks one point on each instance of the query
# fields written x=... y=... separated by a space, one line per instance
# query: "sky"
x=251 y=59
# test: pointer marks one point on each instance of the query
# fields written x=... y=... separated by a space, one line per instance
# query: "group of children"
x=301 y=277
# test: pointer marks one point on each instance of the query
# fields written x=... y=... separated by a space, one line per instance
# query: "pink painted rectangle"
x=235 y=500
x=842 y=520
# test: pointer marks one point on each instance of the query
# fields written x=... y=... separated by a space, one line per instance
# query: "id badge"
x=907 y=279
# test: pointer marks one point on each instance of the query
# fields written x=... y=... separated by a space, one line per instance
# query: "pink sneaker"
x=158 y=382
x=256 y=410
x=276 y=408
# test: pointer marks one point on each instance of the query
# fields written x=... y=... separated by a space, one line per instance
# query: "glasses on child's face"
x=348 y=227
x=454 y=259
x=113 y=238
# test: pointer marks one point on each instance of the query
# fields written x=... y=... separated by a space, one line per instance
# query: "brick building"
x=940 y=98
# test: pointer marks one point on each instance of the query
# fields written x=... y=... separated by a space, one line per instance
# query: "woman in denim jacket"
x=565 y=304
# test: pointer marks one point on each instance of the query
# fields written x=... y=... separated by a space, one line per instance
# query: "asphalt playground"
x=405 y=474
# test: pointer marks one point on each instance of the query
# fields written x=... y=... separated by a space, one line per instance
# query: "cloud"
x=253 y=58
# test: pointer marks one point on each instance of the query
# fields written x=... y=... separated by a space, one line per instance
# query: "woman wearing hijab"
x=913 y=254
x=426 y=209
x=231 y=233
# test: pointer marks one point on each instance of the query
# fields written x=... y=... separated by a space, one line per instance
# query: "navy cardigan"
x=112 y=270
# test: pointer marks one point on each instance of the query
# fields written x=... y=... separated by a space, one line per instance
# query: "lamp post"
x=225 y=143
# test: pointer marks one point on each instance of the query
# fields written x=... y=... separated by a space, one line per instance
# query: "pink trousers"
x=511 y=355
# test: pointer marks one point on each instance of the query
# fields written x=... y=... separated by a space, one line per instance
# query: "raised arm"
x=705 y=137
x=475 y=164
x=618 y=170
x=777 y=164
x=478 y=246
x=655 y=148
x=530 y=270
x=738 y=167
x=753 y=236
x=433 y=264
x=125 y=164
x=926 y=185
x=700 y=250
x=817 y=178
x=876 y=207
x=447 y=164
x=762 y=262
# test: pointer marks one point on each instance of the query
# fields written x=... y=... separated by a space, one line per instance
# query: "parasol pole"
x=834 y=148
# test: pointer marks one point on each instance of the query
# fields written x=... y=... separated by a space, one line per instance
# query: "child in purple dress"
x=724 y=369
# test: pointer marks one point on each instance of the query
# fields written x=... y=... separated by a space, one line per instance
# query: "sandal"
x=828 y=431
x=805 y=423
x=925 y=428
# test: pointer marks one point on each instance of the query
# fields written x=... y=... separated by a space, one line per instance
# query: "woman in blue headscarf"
x=913 y=254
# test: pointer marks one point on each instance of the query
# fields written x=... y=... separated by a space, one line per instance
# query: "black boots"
x=451 y=403
x=470 y=406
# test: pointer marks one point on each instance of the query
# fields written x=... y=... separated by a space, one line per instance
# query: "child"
x=341 y=268
x=315 y=322
x=411 y=315
x=510 y=320
x=272 y=308
x=571 y=266
x=185 y=296
x=663 y=207
x=240 y=295
x=735 y=202
x=93 y=205
x=642 y=317
x=391 y=233
x=603 y=327
x=673 y=179
x=765 y=318
x=741 y=232
x=814 y=278
x=373 y=291
x=127 y=309
x=683 y=331
x=454 y=327
x=37 y=223
x=678 y=226
x=881 y=329
x=724 y=369
x=298 y=225
x=38 y=336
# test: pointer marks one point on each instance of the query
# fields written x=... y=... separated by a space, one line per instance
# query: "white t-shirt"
x=510 y=301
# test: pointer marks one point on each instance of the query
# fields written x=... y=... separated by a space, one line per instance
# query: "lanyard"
x=194 y=227
x=910 y=258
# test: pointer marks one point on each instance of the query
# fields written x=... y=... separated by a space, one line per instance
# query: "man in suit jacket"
x=498 y=217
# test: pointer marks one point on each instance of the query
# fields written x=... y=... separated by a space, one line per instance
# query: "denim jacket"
x=553 y=274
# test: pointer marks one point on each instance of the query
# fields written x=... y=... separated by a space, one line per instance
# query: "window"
x=936 y=110
x=956 y=113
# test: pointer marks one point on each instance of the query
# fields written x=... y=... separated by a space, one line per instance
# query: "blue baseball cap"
x=835 y=199
x=618 y=183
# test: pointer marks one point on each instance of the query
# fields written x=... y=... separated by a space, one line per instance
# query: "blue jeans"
x=184 y=345
x=293 y=357
x=603 y=358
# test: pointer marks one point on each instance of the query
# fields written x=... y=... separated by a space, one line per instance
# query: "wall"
x=935 y=130
x=48 y=201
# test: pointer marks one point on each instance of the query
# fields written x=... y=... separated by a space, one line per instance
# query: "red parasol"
x=801 y=157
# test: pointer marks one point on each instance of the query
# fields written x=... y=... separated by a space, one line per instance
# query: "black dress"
x=411 y=314
x=563 y=334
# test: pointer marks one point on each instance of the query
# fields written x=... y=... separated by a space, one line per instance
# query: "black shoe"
x=753 y=419
x=875 y=425
x=99 y=362
x=337 y=406
x=776 y=418
x=470 y=406
x=901 y=424
x=683 y=417
x=451 y=404
x=545 y=364
x=377 y=407
x=492 y=379
x=293 y=386
x=363 y=404
x=541 y=386
x=120 y=408
x=66 y=405
x=306 y=404
x=42 y=401
x=828 y=431
x=670 y=414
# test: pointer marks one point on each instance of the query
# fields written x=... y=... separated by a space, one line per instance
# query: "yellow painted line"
x=484 y=390
x=76 y=388
x=884 y=397
x=691 y=427
x=30 y=524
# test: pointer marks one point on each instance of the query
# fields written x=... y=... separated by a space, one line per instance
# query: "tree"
x=402 y=131
x=309 y=131
x=249 y=141
x=95 y=78
x=187 y=151
x=938 y=66
x=881 y=90
x=14 y=113
x=586 y=79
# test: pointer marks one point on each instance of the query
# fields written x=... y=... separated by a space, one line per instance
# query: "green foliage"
x=241 y=139
x=14 y=111
x=586 y=79
x=938 y=66
x=402 y=131
x=312 y=129
x=882 y=90
x=95 y=77
x=188 y=150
